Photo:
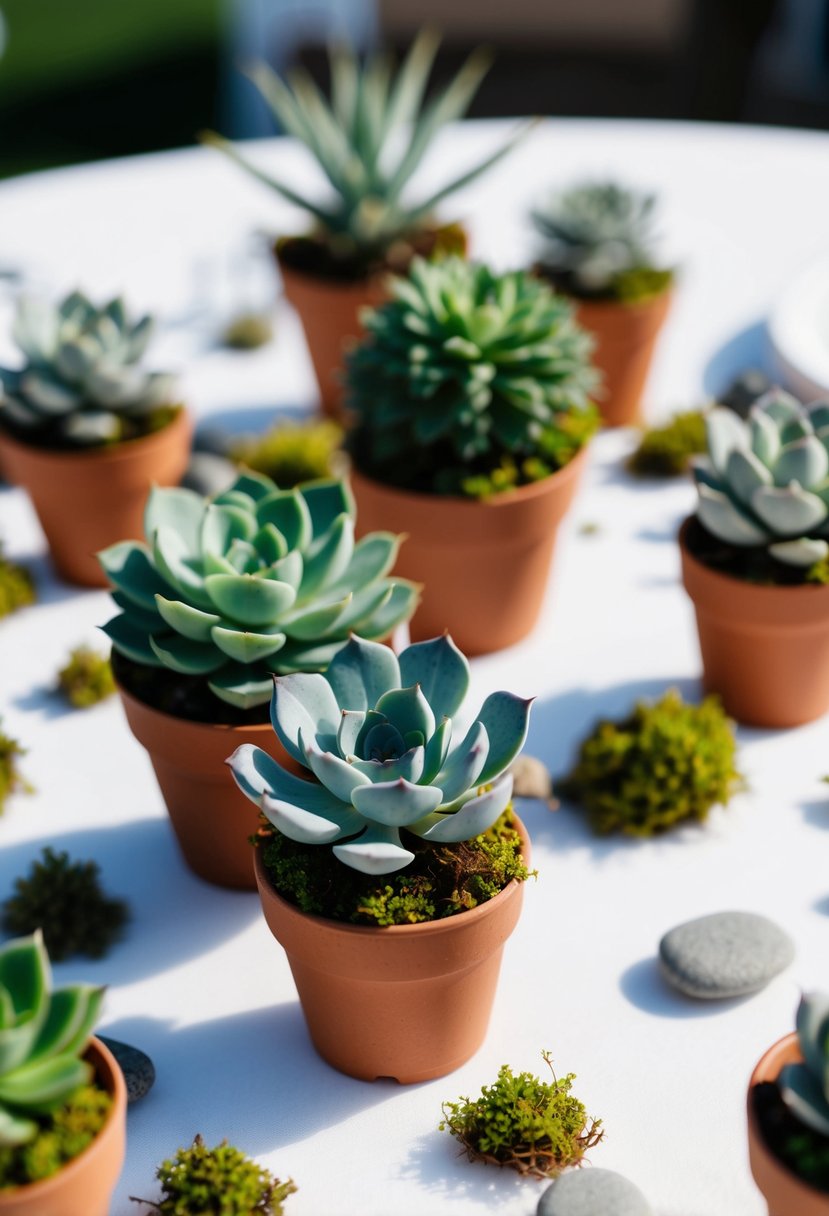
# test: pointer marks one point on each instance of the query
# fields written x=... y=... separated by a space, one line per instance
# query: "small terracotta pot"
x=330 y=315
x=484 y=565
x=87 y=500
x=211 y=817
x=783 y=1191
x=407 y=1001
x=84 y=1186
x=765 y=650
x=625 y=339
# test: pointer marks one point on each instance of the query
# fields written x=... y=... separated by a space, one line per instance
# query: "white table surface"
x=198 y=981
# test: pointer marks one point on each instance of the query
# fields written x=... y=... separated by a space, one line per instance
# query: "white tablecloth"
x=198 y=981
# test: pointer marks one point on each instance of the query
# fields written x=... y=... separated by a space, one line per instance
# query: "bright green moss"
x=11 y=779
x=641 y=283
x=248 y=331
x=666 y=451
x=86 y=678
x=294 y=452
x=220 y=1181
x=63 y=1135
x=17 y=587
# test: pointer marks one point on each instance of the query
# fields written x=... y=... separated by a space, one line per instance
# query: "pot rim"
x=115 y=1085
x=717 y=576
x=192 y=723
x=611 y=305
x=113 y=454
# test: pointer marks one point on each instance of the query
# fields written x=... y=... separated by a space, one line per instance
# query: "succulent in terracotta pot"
x=368 y=140
x=755 y=558
x=384 y=786
x=597 y=247
x=470 y=398
x=83 y=422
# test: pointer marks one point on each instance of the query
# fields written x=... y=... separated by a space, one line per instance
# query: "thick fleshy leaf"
x=249 y=600
x=224 y=524
x=361 y=672
x=256 y=485
x=73 y=1013
x=803 y=552
x=818 y=414
x=327 y=559
x=301 y=656
x=15 y=1130
x=25 y=973
x=364 y=606
x=372 y=559
x=812 y=1023
x=744 y=473
x=182 y=572
x=147 y=619
x=437 y=749
x=408 y=710
x=351 y=723
x=409 y=766
x=378 y=739
x=442 y=672
x=765 y=436
x=506 y=718
x=288 y=512
x=287 y=570
x=464 y=765
x=326 y=501
x=304 y=702
x=780 y=406
x=398 y=608
x=39 y=1086
x=258 y=774
x=270 y=544
x=131 y=641
x=244 y=646
x=805 y=461
x=298 y=823
x=338 y=776
x=177 y=508
x=474 y=817
x=243 y=557
x=725 y=432
x=313 y=623
x=725 y=520
x=377 y=851
x=240 y=685
x=396 y=803
x=129 y=567
x=190 y=622
x=788 y=511
x=803 y=1094
x=186 y=657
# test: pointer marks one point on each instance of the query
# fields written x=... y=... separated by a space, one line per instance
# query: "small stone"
x=531 y=779
x=591 y=1192
x=209 y=474
x=747 y=388
x=725 y=954
x=137 y=1067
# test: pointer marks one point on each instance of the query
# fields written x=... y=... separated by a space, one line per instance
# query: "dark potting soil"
x=181 y=696
x=804 y=1151
x=752 y=564
x=313 y=256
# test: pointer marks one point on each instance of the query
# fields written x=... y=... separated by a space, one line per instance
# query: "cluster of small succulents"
x=253 y=582
x=294 y=452
x=86 y=678
x=81 y=384
x=219 y=1181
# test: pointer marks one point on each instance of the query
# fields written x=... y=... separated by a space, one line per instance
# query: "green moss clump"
x=248 y=331
x=641 y=283
x=65 y=900
x=665 y=764
x=220 y=1181
x=535 y=1127
x=86 y=679
x=440 y=882
x=294 y=452
x=11 y=779
x=556 y=448
x=819 y=572
x=17 y=587
x=666 y=451
x=63 y=1135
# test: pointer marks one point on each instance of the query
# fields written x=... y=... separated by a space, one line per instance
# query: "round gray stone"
x=590 y=1192
x=725 y=954
x=136 y=1065
x=208 y=473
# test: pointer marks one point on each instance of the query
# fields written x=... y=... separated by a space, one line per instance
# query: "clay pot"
x=484 y=565
x=410 y=1002
x=87 y=500
x=211 y=817
x=765 y=650
x=625 y=339
x=783 y=1191
x=84 y=1186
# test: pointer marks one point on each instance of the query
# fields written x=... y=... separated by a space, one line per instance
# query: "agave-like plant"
x=43 y=1034
x=254 y=581
x=765 y=481
x=368 y=140
x=81 y=384
x=376 y=731
x=805 y=1087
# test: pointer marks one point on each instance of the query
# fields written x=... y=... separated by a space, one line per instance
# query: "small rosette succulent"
x=254 y=581
x=81 y=383
x=42 y=1037
x=805 y=1087
x=375 y=732
x=765 y=481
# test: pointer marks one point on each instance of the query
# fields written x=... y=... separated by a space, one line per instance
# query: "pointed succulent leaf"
x=184 y=656
x=805 y=461
x=16 y=1042
x=408 y=710
x=436 y=751
x=131 y=641
x=351 y=723
x=73 y=1013
x=244 y=646
x=25 y=974
x=255 y=485
x=395 y=803
x=129 y=567
x=327 y=559
x=372 y=559
x=223 y=524
x=744 y=472
x=271 y=545
x=725 y=432
x=304 y=703
x=361 y=672
x=287 y=570
x=302 y=656
x=780 y=406
x=190 y=622
x=249 y=600
x=409 y=765
x=177 y=508
x=241 y=685
x=818 y=414
x=364 y=606
x=475 y=816
x=44 y=1084
x=326 y=502
x=803 y=1094
x=464 y=765
x=725 y=520
x=788 y=511
x=393 y=611
x=181 y=571
x=506 y=718
x=377 y=851
x=803 y=552
x=307 y=624
x=812 y=1024
x=765 y=436
x=289 y=513
x=298 y=823
x=337 y=775
x=441 y=671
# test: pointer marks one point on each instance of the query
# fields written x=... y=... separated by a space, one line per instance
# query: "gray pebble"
x=725 y=954
x=137 y=1067
x=208 y=474
x=590 y=1192
x=531 y=779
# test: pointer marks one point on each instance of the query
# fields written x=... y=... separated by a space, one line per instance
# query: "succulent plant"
x=253 y=582
x=81 y=383
x=368 y=140
x=765 y=481
x=375 y=731
x=42 y=1037
x=461 y=368
x=805 y=1087
x=594 y=233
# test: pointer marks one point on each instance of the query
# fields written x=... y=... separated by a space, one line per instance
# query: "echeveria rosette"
x=765 y=481
x=81 y=378
x=375 y=732
x=805 y=1087
x=42 y=1037
x=252 y=582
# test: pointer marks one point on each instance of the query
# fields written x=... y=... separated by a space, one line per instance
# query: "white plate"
x=799 y=334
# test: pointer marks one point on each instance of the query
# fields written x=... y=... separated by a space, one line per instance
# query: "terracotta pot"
x=408 y=1001
x=765 y=650
x=783 y=1191
x=211 y=817
x=87 y=500
x=625 y=339
x=329 y=312
x=485 y=565
x=84 y=1186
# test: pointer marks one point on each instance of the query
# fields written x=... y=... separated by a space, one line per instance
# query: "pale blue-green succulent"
x=43 y=1034
x=81 y=380
x=252 y=582
x=805 y=1087
x=765 y=481
x=375 y=731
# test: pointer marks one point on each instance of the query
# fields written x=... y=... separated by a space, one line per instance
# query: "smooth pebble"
x=724 y=955
x=136 y=1065
x=591 y=1192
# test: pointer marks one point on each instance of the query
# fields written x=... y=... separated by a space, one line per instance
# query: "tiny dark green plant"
x=61 y=1136
x=220 y=1181
x=664 y=764
x=17 y=587
x=667 y=450
x=248 y=331
x=294 y=452
x=86 y=678
x=64 y=899
x=536 y=1127
x=11 y=779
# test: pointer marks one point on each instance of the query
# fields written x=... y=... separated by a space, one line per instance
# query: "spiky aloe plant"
x=253 y=582
x=463 y=368
x=765 y=482
x=368 y=140
x=42 y=1037
x=805 y=1087
x=375 y=731
x=81 y=384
